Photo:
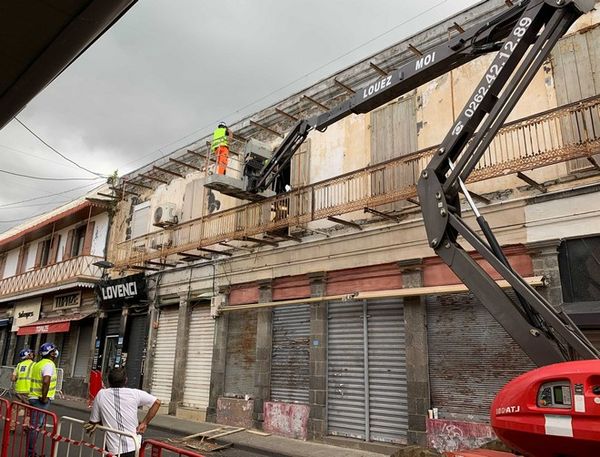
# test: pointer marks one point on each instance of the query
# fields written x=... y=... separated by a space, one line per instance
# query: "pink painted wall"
x=286 y=419
x=448 y=435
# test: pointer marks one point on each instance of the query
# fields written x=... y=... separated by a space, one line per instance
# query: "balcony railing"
x=565 y=133
x=73 y=270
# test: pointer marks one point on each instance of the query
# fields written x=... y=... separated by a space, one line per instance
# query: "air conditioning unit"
x=165 y=215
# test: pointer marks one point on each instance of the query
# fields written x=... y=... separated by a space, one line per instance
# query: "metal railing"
x=568 y=132
x=76 y=268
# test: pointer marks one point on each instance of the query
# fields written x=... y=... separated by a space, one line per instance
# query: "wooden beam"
x=256 y=240
x=215 y=251
x=343 y=222
x=286 y=237
x=378 y=69
x=143 y=268
x=184 y=164
x=153 y=178
x=144 y=186
x=189 y=256
x=480 y=198
x=283 y=113
x=114 y=197
x=227 y=245
x=414 y=201
x=384 y=215
x=167 y=171
x=123 y=191
x=266 y=128
x=195 y=153
x=160 y=264
x=319 y=104
x=531 y=182
x=414 y=50
x=343 y=86
x=594 y=162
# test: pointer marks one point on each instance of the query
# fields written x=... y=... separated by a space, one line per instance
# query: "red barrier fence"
x=152 y=448
x=5 y=418
x=28 y=431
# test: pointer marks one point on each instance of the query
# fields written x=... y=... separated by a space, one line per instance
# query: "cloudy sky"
x=170 y=69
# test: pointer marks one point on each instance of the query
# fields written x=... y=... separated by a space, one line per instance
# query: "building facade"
x=47 y=280
x=322 y=312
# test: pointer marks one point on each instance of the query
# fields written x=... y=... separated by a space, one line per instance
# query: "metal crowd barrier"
x=6 y=383
x=28 y=431
x=72 y=440
x=153 y=448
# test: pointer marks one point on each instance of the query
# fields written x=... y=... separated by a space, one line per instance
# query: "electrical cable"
x=48 y=195
x=56 y=151
x=45 y=178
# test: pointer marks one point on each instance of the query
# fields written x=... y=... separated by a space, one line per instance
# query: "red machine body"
x=553 y=411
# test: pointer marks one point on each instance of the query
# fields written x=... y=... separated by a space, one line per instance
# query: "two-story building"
x=47 y=280
x=322 y=312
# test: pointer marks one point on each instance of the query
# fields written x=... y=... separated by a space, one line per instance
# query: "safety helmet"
x=25 y=353
x=47 y=348
x=222 y=124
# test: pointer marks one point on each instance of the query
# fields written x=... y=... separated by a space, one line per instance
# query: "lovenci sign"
x=129 y=288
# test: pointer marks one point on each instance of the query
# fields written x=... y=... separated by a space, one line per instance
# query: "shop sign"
x=26 y=312
x=127 y=289
x=72 y=300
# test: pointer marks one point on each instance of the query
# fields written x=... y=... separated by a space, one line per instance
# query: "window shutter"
x=54 y=248
x=22 y=259
x=89 y=236
x=38 y=254
x=69 y=245
x=2 y=265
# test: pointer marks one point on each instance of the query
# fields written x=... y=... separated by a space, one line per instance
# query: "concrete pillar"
x=544 y=255
x=181 y=350
x=12 y=342
x=219 y=359
x=317 y=393
x=92 y=359
x=264 y=346
x=417 y=360
x=150 y=347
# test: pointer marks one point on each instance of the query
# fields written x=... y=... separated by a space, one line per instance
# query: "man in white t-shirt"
x=117 y=408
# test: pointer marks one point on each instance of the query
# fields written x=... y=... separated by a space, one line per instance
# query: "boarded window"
x=140 y=219
x=393 y=135
x=576 y=65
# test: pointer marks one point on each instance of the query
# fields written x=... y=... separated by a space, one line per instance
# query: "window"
x=78 y=241
x=579 y=264
x=45 y=253
x=140 y=219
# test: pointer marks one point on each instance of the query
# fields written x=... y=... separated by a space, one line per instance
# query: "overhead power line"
x=46 y=178
x=58 y=152
x=41 y=197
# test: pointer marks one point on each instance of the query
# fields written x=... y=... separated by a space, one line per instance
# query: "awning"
x=51 y=324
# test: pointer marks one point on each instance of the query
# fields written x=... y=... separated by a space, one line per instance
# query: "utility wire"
x=46 y=178
x=48 y=195
x=59 y=202
x=406 y=21
x=59 y=153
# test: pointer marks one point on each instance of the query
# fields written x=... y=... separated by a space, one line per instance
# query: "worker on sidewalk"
x=42 y=391
x=117 y=408
x=220 y=146
x=21 y=376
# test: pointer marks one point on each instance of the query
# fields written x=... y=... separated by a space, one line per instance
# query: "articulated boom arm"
x=439 y=60
x=547 y=336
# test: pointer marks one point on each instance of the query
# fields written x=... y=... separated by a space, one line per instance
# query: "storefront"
x=123 y=328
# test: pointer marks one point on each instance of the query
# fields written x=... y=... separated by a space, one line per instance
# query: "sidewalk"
x=268 y=445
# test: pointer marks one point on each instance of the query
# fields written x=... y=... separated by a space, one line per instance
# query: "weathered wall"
x=447 y=435
x=286 y=419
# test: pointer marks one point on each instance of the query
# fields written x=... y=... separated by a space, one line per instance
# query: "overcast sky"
x=170 y=69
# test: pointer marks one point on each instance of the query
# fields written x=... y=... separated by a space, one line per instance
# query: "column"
x=264 y=344
x=219 y=359
x=181 y=350
x=544 y=256
x=417 y=360
x=317 y=393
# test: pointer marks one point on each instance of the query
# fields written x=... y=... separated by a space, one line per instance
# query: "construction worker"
x=21 y=375
x=220 y=146
x=42 y=391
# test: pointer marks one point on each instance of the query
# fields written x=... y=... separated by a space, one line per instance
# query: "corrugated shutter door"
x=199 y=360
x=471 y=357
x=290 y=354
x=136 y=345
x=83 y=349
x=345 y=377
x=113 y=323
x=241 y=353
x=388 y=398
x=164 y=354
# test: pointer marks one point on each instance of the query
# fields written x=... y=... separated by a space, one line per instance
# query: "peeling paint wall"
x=286 y=419
x=446 y=435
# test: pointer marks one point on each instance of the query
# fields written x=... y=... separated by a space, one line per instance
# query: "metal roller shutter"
x=164 y=354
x=113 y=323
x=366 y=386
x=290 y=354
x=241 y=353
x=136 y=349
x=471 y=357
x=83 y=348
x=199 y=359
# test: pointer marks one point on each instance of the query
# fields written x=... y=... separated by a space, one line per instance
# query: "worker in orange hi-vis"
x=220 y=146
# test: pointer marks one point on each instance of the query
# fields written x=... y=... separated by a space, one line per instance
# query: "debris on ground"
x=416 y=451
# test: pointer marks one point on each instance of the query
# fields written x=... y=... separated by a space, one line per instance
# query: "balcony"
x=77 y=269
x=568 y=132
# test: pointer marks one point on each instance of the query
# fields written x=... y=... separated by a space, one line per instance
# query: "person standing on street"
x=117 y=408
x=21 y=376
x=42 y=391
x=220 y=146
